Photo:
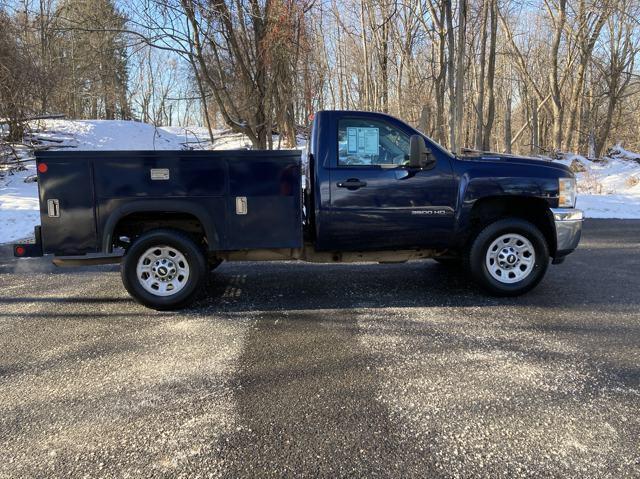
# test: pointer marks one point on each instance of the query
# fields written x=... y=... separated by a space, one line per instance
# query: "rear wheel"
x=509 y=257
x=163 y=269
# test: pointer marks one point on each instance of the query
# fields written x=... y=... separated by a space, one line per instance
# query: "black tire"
x=193 y=255
x=477 y=257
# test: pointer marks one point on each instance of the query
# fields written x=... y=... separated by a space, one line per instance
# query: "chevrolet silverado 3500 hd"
x=376 y=190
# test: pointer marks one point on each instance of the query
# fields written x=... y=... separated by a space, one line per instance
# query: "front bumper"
x=568 y=222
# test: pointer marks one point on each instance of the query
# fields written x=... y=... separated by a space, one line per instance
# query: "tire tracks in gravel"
x=307 y=404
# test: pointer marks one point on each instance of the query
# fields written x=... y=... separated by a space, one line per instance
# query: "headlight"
x=567 y=189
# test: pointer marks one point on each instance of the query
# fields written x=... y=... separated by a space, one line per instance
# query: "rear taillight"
x=20 y=250
x=42 y=167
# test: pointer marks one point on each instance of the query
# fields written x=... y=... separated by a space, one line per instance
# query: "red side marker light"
x=20 y=251
x=42 y=167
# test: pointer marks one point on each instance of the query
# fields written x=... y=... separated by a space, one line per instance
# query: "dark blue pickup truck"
x=375 y=190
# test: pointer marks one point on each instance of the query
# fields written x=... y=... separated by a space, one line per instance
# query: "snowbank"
x=610 y=206
x=19 y=208
x=131 y=135
x=116 y=135
x=610 y=187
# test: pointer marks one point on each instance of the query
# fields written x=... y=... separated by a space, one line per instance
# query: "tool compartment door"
x=264 y=206
x=67 y=205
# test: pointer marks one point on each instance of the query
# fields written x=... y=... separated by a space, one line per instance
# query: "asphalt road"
x=284 y=370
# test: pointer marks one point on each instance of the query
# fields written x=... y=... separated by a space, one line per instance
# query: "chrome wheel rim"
x=162 y=271
x=510 y=258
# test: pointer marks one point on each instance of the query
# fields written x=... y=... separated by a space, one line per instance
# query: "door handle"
x=352 y=184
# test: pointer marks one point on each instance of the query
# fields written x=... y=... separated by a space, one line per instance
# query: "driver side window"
x=363 y=142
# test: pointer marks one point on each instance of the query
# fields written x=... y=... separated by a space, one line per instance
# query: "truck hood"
x=503 y=157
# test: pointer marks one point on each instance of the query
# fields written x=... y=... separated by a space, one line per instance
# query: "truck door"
x=377 y=200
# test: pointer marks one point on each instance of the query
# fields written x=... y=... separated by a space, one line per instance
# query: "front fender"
x=509 y=189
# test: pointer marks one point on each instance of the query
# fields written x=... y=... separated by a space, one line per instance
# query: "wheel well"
x=135 y=224
x=534 y=210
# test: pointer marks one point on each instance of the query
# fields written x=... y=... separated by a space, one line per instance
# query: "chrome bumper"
x=568 y=223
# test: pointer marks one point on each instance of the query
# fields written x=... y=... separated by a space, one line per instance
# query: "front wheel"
x=163 y=269
x=509 y=257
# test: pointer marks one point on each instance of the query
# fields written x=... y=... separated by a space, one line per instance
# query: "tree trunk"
x=384 y=63
x=365 y=56
x=425 y=116
x=203 y=95
x=491 y=112
x=612 y=100
x=460 y=71
x=260 y=20
x=556 y=99
x=451 y=54
x=440 y=80
x=587 y=43
x=535 y=141
x=478 y=144
x=507 y=125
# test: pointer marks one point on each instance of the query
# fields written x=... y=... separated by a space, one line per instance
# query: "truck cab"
x=365 y=185
x=375 y=189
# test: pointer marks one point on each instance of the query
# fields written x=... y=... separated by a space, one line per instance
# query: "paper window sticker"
x=352 y=140
x=363 y=141
x=371 y=141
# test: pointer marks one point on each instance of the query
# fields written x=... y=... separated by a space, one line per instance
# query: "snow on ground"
x=610 y=206
x=131 y=135
x=607 y=189
x=19 y=208
x=119 y=135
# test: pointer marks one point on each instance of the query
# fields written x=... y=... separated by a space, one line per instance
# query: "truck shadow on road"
x=245 y=287
x=281 y=286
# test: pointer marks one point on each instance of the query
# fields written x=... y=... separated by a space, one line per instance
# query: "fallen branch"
x=12 y=151
x=40 y=139
x=18 y=162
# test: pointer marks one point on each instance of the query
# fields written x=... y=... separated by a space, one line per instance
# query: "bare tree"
x=623 y=47
x=590 y=20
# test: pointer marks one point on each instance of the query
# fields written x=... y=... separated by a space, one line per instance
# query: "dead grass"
x=632 y=181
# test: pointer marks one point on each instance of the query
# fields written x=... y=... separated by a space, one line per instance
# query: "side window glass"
x=364 y=142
